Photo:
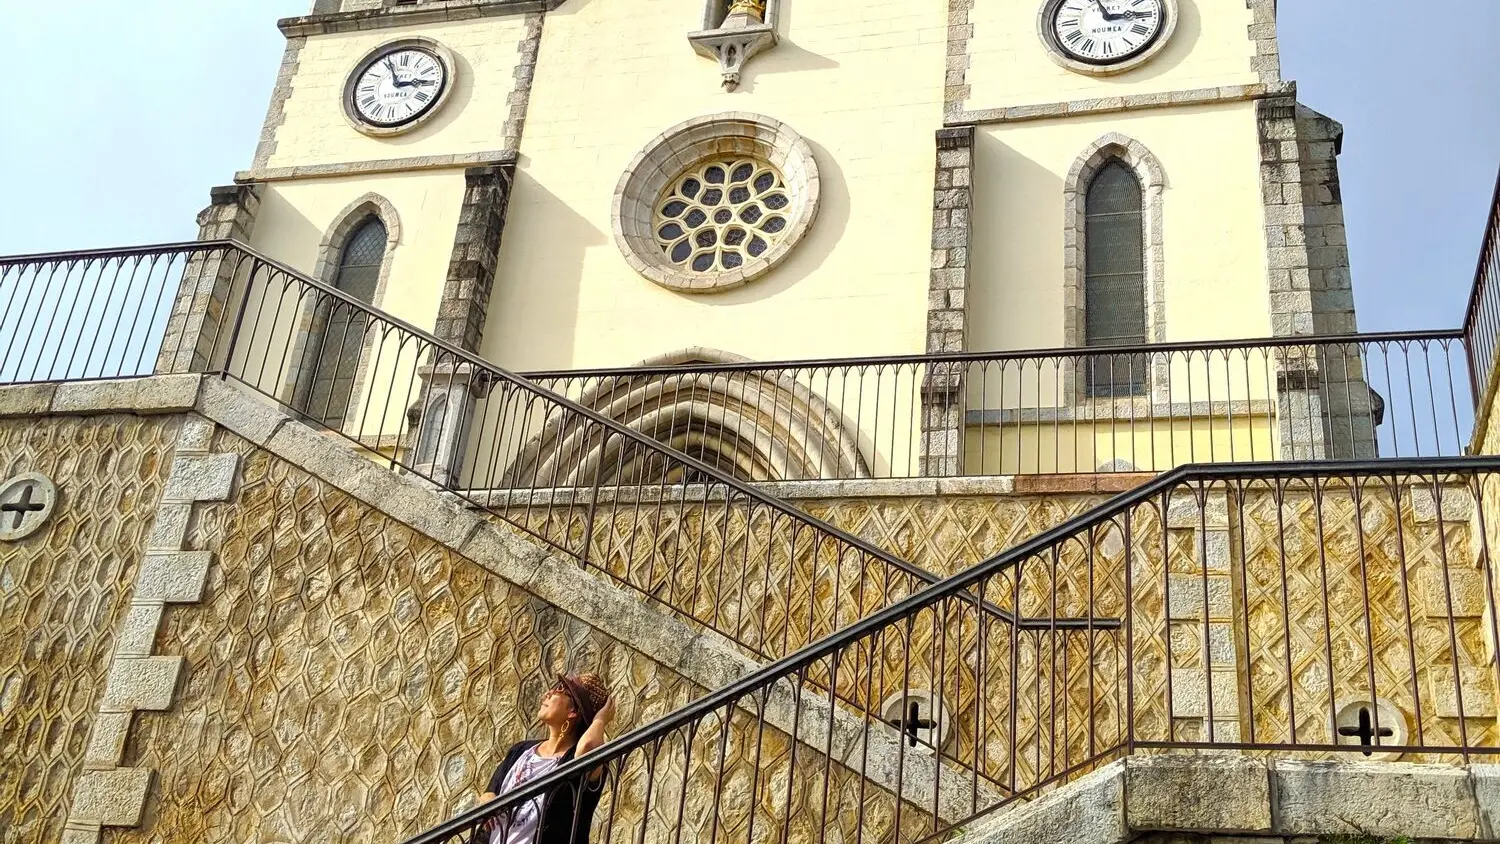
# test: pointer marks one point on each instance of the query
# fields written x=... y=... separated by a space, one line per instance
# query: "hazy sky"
x=144 y=105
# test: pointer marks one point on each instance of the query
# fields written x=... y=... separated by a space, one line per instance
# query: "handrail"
x=957 y=585
x=116 y=252
x=719 y=477
x=1012 y=355
x=1491 y=232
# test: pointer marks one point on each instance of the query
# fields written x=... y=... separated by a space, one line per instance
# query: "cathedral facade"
x=605 y=183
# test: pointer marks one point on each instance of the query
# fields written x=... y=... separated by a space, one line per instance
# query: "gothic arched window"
x=336 y=341
x=1115 y=279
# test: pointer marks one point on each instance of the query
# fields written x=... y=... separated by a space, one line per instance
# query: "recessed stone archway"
x=752 y=425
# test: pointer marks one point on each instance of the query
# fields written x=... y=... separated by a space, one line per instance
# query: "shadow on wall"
x=1022 y=311
x=785 y=57
x=532 y=321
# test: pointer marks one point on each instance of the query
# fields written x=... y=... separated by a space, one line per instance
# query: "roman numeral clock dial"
x=396 y=87
x=1105 y=36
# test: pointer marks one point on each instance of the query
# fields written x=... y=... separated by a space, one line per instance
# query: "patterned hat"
x=588 y=692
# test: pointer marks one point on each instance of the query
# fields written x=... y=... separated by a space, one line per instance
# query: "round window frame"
x=444 y=57
x=942 y=730
x=668 y=156
x=1065 y=59
x=1401 y=728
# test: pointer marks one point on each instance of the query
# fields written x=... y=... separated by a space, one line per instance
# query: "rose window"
x=721 y=215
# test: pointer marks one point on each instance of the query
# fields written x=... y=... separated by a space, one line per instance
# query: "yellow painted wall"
x=860 y=79
x=315 y=131
x=1150 y=445
x=293 y=221
x=1009 y=65
x=1213 y=234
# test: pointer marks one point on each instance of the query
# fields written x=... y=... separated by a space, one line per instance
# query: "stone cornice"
x=433 y=11
x=1111 y=105
x=383 y=165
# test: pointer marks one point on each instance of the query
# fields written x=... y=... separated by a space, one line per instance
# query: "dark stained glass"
x=1114 y=279
x=337 y=337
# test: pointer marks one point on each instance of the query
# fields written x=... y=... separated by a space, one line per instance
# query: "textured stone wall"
x=63 y=592
x=350 y=678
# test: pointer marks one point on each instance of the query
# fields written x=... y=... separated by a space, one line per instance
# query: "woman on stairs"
x=576 y=711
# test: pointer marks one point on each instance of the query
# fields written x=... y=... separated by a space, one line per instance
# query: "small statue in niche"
x=745 y=13
x=735 y=30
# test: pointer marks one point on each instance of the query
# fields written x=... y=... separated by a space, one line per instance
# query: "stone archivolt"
x=754 y=427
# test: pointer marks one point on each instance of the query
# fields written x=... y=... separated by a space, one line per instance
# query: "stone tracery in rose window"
x=721 y=214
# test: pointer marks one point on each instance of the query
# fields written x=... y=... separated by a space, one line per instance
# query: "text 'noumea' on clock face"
x=399 y=86
x=1105 y=31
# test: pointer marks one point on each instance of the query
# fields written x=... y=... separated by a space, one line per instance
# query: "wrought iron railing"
x=1141 y=408
x=681 y=533
x=1321 y=609
x=1482 y=317
x=88 y=315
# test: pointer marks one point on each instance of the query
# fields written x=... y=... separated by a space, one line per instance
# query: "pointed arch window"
x=337 y=338
x=1115 y=279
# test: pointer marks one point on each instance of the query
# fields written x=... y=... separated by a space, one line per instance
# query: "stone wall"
x=63 y=593
x=345 y=670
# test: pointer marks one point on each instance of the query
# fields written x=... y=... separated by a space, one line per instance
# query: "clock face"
x=1106 y=32
x=397 y=87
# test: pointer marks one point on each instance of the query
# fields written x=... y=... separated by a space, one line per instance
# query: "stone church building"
x=935 y=420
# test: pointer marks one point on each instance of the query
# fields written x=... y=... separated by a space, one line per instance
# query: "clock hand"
x=1105 y=12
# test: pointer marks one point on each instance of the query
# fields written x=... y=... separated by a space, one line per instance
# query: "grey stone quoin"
x=441 y=416
x=1325 y=402
x=947 y=300
x=202 y=301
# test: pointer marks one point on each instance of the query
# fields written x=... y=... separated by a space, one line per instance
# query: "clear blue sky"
x=147 y=104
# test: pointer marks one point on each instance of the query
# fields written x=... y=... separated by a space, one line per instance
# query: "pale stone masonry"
x=947 y=301
x=203 y=296
x=110 y=792
x=1180 y=798
x=276 y=112
x=956 y=69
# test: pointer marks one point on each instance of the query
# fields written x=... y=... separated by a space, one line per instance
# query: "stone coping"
x=429 y=12
x=705 y=659
x=1112 y=105
x=1138 y=409
x=1101 y=483
x=1222 y=793
x=383 y=165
